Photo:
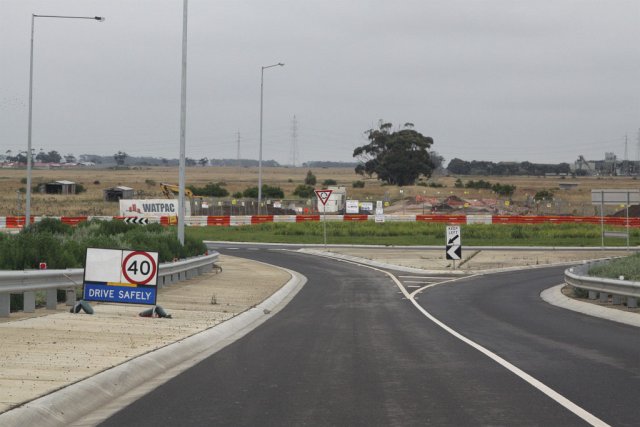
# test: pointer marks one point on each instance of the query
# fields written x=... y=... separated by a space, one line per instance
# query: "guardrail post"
x=604 y=297
x=71 y=297
x=593 y=295
x=616 y=299
x=52 y=299
x=5 y=304
x=29 y=302
x=632 y=302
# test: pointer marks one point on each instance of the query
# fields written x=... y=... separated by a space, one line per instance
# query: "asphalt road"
x=351 y=349
x=593 y=362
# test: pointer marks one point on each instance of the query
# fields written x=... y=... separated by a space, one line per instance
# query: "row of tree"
x=461 y=167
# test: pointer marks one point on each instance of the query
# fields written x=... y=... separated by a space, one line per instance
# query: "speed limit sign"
x=140 y=268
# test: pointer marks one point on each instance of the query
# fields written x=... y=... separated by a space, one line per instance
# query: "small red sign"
x=43 y=266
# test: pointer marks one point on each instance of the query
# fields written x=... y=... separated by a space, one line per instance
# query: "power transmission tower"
x=637 y=165
x=625 y=168
x=294 y=142
x=238 y=152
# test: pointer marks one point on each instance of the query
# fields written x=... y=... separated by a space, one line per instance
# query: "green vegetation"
x=417 y=233
x=328 y=182
x=304 y=191
x=628 y=267
x=310 y=179
x=267 y=191
x=358 y=184
x=62 y=246
x=210 y=190
x=398 y=157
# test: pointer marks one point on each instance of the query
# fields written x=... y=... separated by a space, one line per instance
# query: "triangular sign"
x=323 y=195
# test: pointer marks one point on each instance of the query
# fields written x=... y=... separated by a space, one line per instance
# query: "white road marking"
x=417 y=281
x=557 y=397
x=577 y=410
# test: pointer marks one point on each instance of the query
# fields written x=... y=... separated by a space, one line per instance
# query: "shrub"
x=80 y=188
x=304 y=191
x=267 y=191
x=543 y=195
x=210 y=190
x=328 y=182
x=358 y=184
x=310 y=179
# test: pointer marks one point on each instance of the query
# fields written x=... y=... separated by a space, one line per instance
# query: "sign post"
x=614 y=197
x=323 y=196
x=453 y=245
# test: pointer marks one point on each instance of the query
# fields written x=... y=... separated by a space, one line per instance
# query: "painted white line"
x=424 y=277
x=232 y=249
x=557 y=397
x=413 y=286
x=566 y=403
x=417 y=281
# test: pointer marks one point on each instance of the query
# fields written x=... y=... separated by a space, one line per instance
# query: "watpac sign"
x=152 y=207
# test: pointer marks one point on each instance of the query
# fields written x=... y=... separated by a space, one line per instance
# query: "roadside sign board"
x=353 y=207
x=323 y=195
x=453 y=245
x=379 y=211
x=121 y=276
x=615 y=197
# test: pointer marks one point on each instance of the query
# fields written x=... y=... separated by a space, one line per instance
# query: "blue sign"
x=101 y=291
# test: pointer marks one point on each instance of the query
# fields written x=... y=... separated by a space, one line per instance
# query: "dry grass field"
x=145 y=180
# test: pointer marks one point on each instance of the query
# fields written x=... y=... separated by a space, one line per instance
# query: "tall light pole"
x=279 y=64
x=27 y=216
x=183 y=123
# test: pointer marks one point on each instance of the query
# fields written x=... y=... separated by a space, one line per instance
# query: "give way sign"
x=323 y=195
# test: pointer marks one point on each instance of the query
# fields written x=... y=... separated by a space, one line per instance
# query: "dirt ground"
x=146 y=180
x=47 y=350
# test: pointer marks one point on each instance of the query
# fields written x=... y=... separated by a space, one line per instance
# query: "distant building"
x=59 y=187
x=114 y=194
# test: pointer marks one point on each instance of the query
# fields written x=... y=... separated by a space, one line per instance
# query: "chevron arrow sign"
x=136 y=220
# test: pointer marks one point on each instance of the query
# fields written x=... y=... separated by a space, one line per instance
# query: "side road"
x=51 y=349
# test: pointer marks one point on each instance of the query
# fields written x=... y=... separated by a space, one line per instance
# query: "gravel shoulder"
x=51 y=349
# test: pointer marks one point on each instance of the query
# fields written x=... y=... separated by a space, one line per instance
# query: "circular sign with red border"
x=139 y=268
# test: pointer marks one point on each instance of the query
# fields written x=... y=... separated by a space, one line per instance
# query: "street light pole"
x=183 y=125
x=27 y=216
x=279 y=64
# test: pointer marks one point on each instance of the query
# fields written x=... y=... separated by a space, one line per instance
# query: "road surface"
x=352 y=349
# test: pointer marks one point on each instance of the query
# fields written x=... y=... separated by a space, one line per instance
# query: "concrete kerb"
x=423 y=271
x=554 y=296
x=80 y=399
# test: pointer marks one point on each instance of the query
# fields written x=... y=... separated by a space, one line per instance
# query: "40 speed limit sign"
x=113 y=275
x=140 y=268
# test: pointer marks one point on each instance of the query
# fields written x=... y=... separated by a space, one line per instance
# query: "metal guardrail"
x=28 y=282
x=578 y=277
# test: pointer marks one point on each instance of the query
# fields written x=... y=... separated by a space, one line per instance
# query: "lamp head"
x=99 y=18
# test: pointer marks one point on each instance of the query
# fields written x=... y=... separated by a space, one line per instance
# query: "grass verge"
x=413 y=234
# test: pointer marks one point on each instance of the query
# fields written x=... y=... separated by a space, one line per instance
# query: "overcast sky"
x=500 y=80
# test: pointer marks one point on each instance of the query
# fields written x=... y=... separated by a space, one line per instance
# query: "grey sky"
x=499 y=80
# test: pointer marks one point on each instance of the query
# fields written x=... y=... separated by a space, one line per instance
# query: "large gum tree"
x=396 y=157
